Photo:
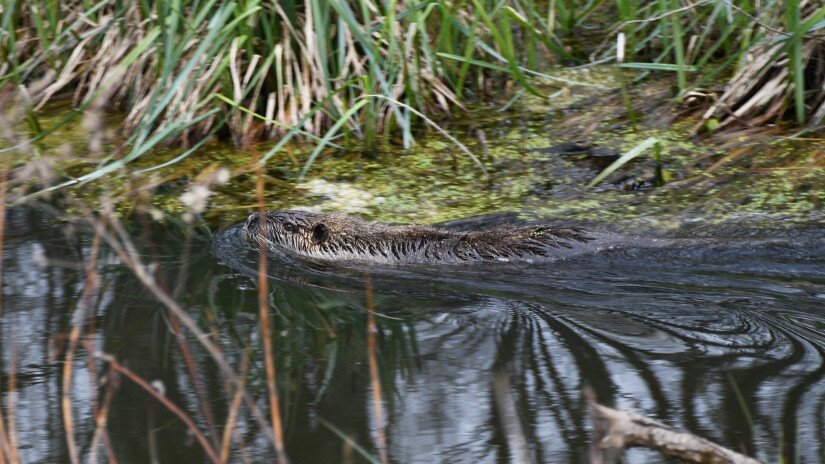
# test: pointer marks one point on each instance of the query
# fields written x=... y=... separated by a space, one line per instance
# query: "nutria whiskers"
x=342 y=238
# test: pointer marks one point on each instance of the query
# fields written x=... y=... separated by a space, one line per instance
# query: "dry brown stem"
x=616 y=430
x=125 y=249
x=377 y=398
x=101 y=416
x=8 y=438
x=229 y=428
x=83 y=305
x=186 y=351
x=266 y=334
x=172 y=407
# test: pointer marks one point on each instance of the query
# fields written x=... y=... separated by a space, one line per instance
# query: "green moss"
x=435 y=181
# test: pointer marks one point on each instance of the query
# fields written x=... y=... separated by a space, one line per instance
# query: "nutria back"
x=336 y=237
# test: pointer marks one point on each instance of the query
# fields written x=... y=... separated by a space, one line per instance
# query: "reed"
x=766 y=58
x=164 y=62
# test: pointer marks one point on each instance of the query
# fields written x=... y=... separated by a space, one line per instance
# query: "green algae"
x=435 y=181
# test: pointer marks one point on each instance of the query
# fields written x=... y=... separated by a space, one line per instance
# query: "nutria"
x=343 y=238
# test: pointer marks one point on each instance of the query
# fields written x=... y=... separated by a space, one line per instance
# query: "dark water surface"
x=725 y=340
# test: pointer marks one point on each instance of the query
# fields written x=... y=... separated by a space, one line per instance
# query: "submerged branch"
x=616 y=430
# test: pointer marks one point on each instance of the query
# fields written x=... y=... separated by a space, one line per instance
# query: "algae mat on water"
x=525 y=150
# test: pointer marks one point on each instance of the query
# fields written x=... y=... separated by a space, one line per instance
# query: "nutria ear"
x=319 y=233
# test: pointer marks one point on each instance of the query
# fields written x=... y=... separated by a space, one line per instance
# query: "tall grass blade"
x=795 y=57
x=328 y=136
x=624 y=159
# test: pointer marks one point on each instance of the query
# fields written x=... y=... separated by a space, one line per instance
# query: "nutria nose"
x=251 y=220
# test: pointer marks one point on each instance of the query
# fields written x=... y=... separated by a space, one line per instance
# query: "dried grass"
x=165 y=66
x=762 y=91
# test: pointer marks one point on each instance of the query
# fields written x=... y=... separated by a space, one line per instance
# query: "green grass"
x=164 y=62
x=185 y=71
x=766 y=58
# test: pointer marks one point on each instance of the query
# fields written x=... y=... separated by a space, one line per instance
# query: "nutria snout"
x=337 y=237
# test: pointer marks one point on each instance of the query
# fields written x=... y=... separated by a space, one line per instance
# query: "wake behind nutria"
x=336 y=237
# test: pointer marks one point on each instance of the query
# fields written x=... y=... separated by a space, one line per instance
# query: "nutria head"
x=333 y=236
x=298 y=231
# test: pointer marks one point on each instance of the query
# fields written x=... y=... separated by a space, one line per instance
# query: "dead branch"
x=615 y=430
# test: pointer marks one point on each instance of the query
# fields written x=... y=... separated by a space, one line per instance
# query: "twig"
x=377 y=398
x=3 y=187
x=233 y=412
x=101 y=419
x=7 y=451
x=172 y=407
x=616 y=430
x=12 y=416
x=129 y=255
x=757 y=21
x=92 y=282
x=186 y=351
x=514 y=432
x=266 y=333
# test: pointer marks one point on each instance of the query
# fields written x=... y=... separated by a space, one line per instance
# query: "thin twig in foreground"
x=377 y=397
x=130 y=257
x=186 y=351
x=172 y=407
x=92 y=282
x=266 y=333
x=101 y=419
x=12 y=417
x=229 y=428
x=8 y=435
x=3 y=187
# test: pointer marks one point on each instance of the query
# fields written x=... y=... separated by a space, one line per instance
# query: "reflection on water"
x=725 y=341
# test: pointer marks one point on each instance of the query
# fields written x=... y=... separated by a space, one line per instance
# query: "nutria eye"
x=319 y=234
x=290 y=227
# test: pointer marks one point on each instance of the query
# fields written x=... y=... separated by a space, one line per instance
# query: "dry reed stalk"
x=229 y=427
x=4 y=179
x=122 y=245
x=91 y=285
x=186 y=351
x=5 y=448
x=8 y=431
x=172 y=407
x=14 y=457
x=192 y=370
x=101 y=413
x=266 y=333
x=375 y=379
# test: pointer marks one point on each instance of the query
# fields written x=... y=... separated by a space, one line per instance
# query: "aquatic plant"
x=767 y=56
x=290 y=63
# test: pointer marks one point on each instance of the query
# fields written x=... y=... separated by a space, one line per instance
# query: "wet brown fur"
x=338 y=237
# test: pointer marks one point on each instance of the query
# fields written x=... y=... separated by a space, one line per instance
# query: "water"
x=720 y=335
x=724 y=340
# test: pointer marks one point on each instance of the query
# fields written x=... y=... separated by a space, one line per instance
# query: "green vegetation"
x=766 y=53
x=185 y=71
x=328 y=104
x=182 y=69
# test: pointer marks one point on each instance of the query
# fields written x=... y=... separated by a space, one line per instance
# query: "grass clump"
x=291 y=64
x=769 y=56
